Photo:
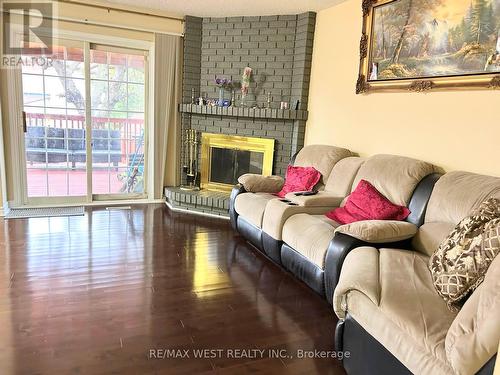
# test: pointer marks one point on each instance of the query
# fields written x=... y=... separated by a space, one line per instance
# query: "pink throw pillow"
x=299 y=179
x=366 y=203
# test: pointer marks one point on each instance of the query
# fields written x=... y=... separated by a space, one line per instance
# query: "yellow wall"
x=456 y=130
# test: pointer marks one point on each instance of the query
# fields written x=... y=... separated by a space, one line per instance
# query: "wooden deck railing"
x=130 y=129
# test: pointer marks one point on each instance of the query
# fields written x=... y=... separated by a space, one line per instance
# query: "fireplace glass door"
x=228 y=164
x=224 y=158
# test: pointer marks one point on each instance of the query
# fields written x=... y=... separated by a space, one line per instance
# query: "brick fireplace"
x=279 y=50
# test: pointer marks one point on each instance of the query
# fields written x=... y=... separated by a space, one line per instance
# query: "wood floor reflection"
x=105 y=292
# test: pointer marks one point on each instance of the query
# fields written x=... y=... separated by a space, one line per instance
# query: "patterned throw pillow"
x=459 y=264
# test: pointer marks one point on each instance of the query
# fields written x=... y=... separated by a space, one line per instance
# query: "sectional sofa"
x=390 y=313
x=375 y=273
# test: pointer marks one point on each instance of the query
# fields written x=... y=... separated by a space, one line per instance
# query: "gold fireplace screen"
x=225 y=157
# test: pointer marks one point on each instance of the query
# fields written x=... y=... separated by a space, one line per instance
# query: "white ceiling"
x=225 y=8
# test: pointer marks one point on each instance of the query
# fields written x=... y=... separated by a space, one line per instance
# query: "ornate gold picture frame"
x=422 y=45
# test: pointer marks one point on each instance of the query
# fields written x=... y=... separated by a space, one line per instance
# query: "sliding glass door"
x=54 y=111
x=117 y=82
x=89 y=103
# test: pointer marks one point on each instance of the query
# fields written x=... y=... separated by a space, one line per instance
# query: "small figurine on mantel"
x=245 y=84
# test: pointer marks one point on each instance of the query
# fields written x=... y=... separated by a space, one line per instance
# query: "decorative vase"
x=221 y=97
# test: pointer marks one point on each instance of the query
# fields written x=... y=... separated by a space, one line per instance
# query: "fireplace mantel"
x=265 y=113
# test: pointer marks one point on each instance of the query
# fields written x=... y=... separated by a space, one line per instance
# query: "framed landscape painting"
x=420 y=45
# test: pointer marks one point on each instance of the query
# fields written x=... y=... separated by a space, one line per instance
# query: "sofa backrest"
x=473 y=336
x=396 y=177
x=321 y=157
x=456 y=194
x=342 y=176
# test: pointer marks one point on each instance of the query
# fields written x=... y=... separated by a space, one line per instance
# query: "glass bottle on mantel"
x=221 y=97
x=233 y=98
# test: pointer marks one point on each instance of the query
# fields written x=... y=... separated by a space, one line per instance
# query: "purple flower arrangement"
x=223 y=83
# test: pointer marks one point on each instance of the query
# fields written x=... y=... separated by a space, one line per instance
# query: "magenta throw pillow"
x=366 y=203
x=299 y=179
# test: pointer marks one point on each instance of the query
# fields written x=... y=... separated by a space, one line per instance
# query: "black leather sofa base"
x=366 y=355
x=250 y=232
x=303 y=269
x=272 y=247
x=369 y=357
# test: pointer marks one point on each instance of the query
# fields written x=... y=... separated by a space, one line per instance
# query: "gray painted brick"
x=234 y=19
x=251 y=18
x=267 y=44
x=224 y=51
x=259 y=25
x=269 y=31
x=268 y=18
x=234 y=45
x=277 y=38
x=240 y=38
x=216 y=32
x=234 y=32
x=250 y=32
x=249 y=45
x=258 y=38
x=281 y=68
x=287 y=17
x=224 y=38
x=266 y=57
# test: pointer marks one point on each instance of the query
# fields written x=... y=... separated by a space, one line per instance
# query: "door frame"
x=16 y=106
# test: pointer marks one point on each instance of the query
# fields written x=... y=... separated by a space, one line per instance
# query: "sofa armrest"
x=233 y=215
x=339 y=247
x=256 y=183
x=379 y=231
x=360 y=274
x=321 y=199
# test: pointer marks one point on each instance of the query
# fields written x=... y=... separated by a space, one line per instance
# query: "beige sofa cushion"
x=256 y=183
x=321 y=157
x=456 y=194
x=379 y=231
x=278 y=212
x=343 y=173
x=430 y=236
x=251 y=206
x=396 y=177
x=409 y=318
x=310 y=236
x=474 y=335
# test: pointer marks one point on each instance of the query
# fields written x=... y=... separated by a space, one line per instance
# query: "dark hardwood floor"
x=106 y=292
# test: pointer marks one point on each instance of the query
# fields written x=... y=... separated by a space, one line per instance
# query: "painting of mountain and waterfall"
x=435 y=38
